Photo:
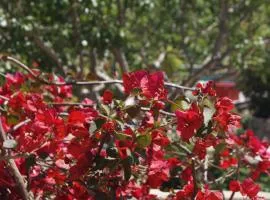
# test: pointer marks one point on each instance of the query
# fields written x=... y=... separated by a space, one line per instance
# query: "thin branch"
x=195 y=190
x=23 y=66
x=4 y=98
x=19 y=125
x=121 y=59
x=216 y=56
x=14 y=169
x=70 y=104
x=8 y=157
x=161 y=111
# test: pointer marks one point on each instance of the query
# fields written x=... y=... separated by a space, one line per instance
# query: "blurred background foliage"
x=101 y=39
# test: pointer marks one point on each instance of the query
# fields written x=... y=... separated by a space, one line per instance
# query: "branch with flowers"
x=122 y=148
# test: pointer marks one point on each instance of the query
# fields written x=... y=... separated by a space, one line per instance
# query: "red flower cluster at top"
x=114 y=150
x=151 y=85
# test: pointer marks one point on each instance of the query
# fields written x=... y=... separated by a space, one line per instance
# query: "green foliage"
x=80 y=34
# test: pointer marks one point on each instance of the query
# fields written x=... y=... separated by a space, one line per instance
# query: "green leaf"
x=208 y=111
x=180 y=104
x=10 y=144
x=122 y=136
x=99 y=122
x=219 y=148
x=106 y=109
x=144 y=140
x=12 y=119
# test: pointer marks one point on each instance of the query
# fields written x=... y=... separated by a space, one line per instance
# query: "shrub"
x=119 y=149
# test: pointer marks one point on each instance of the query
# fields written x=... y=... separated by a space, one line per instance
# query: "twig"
x=4 y=98
x=20 y=64
x=161 y=111
x=14 y=169
x=195 y=190
x=13 y=157
x=121 y=59
x=70 y=104
x=237 y=177
x=19 y=125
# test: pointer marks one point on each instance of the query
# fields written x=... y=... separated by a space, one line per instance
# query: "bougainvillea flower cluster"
x=113 y=150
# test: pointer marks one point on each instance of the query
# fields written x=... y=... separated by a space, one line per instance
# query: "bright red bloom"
x=186 y=193
x=249 y=188
x=188 y=122
x=206 y=89
x=223 y=117
x=151 y=85
x=109 y=126
x=107 y=97
x=159 y=138
x=224 y=104
x=234 y=186
x=228 y=162
x=200 y=149
x=132 y=80
x=209 y=195
x=227 y=120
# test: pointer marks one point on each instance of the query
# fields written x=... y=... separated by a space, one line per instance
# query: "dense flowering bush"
x=120 y=149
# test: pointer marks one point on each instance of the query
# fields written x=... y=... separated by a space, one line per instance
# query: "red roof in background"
x=227 y=89
x=225 y=84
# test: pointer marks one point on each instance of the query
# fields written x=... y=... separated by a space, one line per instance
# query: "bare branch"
x=216 y=56
x=121 y=59
x=14 y=169
x=20 y=64
x=19 y=125
x=70 y=104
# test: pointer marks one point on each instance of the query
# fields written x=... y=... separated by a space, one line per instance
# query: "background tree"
x=188 y=39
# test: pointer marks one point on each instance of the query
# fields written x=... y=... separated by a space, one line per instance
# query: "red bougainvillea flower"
x=224 y=104
x=226 y=120
x=223 y=116
x=107 y=97
x=200 y=149
x=132 y=80
x=234 y=186
x=186 y=193
x=249 y=188
x=188 y=121
x=209 y=195
x=151 y=85
x=228 y=162
x=206 y=89
x=133 y=190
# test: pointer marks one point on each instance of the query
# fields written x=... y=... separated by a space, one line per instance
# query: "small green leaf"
x=208 y=110
x=12 y=119
x=10 y=144
x=144 y=140
x=219 y=148
x=106 y=109
x=122 y=136
x=99 y=122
